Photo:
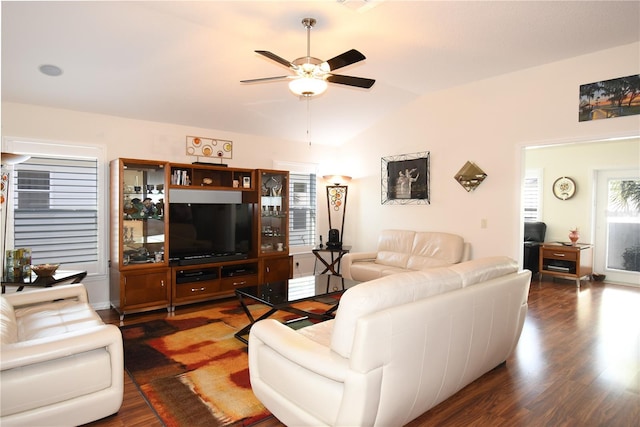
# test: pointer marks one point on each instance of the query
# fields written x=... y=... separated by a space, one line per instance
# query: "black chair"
x=533 y=238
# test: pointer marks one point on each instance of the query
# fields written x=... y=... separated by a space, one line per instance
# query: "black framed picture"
x=405 y=179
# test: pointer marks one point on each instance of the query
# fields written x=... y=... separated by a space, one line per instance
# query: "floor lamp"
x=337 y=206
x=7 y=160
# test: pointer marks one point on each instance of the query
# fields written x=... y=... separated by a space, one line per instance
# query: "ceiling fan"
x=312 y=74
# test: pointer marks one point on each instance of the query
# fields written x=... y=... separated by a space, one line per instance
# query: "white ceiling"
x=181 y=62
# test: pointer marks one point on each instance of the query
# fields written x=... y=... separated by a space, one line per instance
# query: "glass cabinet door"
x=143 y=211
x=274 y=212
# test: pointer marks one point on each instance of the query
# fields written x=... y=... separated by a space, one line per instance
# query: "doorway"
x=583 y=161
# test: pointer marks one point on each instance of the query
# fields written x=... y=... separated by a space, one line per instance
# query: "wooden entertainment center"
x=143 y=275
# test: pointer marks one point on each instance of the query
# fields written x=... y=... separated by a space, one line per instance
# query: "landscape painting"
x=610 y=98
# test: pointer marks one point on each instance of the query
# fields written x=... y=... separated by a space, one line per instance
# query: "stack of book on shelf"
x=180 y=177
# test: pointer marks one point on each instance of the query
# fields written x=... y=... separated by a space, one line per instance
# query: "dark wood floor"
x=577 y=364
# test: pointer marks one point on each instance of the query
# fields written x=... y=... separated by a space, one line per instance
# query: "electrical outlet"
x=483 y=223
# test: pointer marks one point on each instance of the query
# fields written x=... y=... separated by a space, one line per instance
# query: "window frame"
x=69 y=150
x=301 y=169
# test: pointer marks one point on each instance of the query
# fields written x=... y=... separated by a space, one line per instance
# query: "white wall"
x=155 y=141
x=488 y=122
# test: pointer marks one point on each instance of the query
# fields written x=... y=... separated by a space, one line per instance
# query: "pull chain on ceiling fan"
x=312 y=74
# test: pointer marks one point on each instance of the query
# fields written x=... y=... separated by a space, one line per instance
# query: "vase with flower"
x=574 y=235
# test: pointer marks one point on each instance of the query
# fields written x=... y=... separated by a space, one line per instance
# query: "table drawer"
x=230 y=283
x=559 y=254
x=196 y=288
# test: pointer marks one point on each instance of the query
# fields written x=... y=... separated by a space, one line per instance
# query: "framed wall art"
x=405 y=179
x=209 y=147
x=610 y=98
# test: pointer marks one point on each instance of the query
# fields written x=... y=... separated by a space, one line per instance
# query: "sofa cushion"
x=394 y=247
x=435 y=249
x=319 y=332
x=392 y=259
x=385 y=292
x=366 y=271
x=8 y=325
x=54 y=318
x=483 y=269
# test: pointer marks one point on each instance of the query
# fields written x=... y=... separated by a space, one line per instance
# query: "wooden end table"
x=566 y=260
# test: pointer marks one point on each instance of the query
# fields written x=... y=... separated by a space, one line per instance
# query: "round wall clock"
x=564 y=188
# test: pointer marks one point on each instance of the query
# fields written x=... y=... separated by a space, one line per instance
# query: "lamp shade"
x=13 y=159
x=307 y=86
x=337 y=179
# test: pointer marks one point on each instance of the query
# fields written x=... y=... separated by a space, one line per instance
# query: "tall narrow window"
x=303 y=204
x=56 y=209
x=532 y=195
x=302 y=208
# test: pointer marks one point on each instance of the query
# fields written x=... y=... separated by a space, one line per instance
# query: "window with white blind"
x=56 y=209
x=532 y=195
x=58 y=205
x=302 y=209
x=303 y=204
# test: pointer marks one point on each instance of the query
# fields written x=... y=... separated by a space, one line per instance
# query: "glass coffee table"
x=33 y=280
x=281 y=296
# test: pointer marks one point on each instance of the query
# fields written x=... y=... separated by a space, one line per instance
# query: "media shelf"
x=211 y=177
x=197 y=283
x=149 y=270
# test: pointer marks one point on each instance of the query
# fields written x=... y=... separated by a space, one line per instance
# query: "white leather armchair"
x=59 y=363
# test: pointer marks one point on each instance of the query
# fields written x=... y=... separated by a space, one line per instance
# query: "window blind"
x=532 y=193
x=302 y=209
x=56 y=209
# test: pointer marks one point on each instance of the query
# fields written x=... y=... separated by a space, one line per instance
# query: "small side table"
x=332 y=266
x=566 y=260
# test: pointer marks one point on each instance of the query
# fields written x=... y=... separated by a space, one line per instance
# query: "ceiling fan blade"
x=349 y=57
x=267 y=79
x=351 y=81
x=276 y=58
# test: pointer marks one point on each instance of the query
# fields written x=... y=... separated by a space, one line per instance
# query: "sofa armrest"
x=361 y=256
x=298 y=349
x=350 y=258
x=466 y=252
x=76 y=290
x=23 y=353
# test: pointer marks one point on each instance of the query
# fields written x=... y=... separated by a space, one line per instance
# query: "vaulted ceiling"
x=182 y=62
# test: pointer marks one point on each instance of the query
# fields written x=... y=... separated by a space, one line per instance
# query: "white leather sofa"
x=398 y=346
x=60 y=364
x=400 y=251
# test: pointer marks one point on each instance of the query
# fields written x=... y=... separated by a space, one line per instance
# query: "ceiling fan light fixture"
x=307 y=86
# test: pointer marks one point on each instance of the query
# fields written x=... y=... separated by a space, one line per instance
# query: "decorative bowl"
x=45 y=270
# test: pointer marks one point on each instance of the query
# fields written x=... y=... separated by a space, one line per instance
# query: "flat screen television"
x=209 y=232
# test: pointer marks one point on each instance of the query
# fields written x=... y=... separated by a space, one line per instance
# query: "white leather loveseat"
x=400 y=251
x=60 y=364
x=398 y=346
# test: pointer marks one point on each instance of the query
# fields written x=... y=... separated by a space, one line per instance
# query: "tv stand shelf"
x=203 y=282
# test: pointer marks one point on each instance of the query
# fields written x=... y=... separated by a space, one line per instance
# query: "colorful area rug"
x=191 y=368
